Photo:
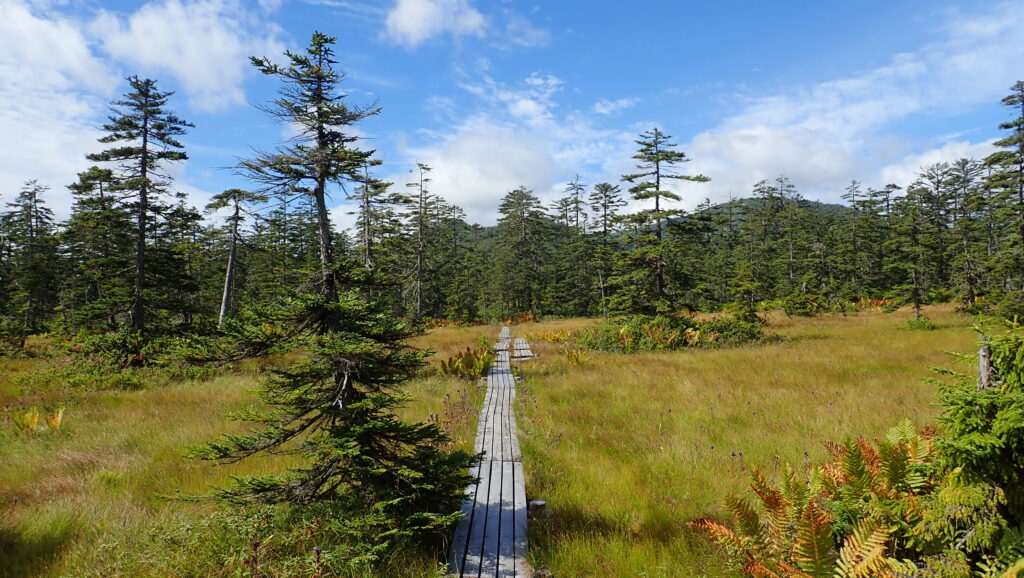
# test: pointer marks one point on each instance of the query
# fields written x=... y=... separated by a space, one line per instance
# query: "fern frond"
x=778 y=526
x=835 y=450
x=813 y=548
x=747 y=521
x=757 y=570
x=872 y=461
x=855 y=470
x=797 y=492
x=863 y=552
x=904 y=432
x=719 y=533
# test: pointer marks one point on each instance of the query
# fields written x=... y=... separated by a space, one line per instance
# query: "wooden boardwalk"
x=521 y=349
x=491 y=538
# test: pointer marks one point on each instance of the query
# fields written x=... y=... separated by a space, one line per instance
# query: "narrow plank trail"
x=491 y=538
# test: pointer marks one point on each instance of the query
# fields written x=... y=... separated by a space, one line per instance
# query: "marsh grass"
x=619 y=446
x=86 y=500
x=626 y=449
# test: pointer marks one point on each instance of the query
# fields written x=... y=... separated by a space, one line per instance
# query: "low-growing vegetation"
x=99 y=495
x=626 y=450
x=469 y=364
x=636 y=333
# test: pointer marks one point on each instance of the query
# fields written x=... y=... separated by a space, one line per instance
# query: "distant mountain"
x=741 y=206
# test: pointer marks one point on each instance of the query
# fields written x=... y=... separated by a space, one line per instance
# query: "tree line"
x=133 y=254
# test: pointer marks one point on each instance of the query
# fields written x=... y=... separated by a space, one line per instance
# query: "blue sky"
x=496 y=94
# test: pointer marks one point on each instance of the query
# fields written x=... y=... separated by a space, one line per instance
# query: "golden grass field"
x=627 y=449
x=624 y=449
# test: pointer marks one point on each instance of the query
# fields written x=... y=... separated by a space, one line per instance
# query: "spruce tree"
x=98 y=244
x=147 y=140
x=236 y=200
x=336 y=405
x=30 y=266
x=656 y=168
x=1006 y=180
x=605 y=201
x=519 y=254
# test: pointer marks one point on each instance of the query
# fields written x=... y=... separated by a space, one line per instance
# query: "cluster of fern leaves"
x=919 y=503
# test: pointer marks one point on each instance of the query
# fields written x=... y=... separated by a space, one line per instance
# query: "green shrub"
x=804 y=305
x=469 y=364
x=635 y=333
x=922 y=324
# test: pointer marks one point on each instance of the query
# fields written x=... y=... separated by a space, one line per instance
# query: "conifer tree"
x=147 y=137
x=656 y=168
x=422 y=204
x=1006 y=180
x=236 y=200
x=97 y=243
x=30 y=264
x=520 y=249
x=605 y=201
x=335 y=407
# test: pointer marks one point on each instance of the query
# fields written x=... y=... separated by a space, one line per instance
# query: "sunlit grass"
x=86 y=500
x=627 y=449
x=619 y=446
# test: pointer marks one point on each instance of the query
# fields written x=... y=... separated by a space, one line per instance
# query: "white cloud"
x=824 y=135
x=532 y=104
x=482 y=160
x=51 y=92
x=605 y=106
x=519 y=31
x=204 y=44
x=59 y=73
x=412 y=22
x=906 y=170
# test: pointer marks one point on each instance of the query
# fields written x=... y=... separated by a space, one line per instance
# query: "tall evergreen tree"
x=236 y=200
x=656 y=168
x=422 y=204
x=29 y=267
x=336 y=407
x=520 y=251
x=147 y=140
x=98 y=244
x=1006 y=180
x=605 y=201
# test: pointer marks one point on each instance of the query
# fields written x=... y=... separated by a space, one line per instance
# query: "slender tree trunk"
x=138 y=311
x=229 y=275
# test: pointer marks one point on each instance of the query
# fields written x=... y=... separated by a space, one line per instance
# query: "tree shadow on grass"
x=30 y=552
x=574 y=521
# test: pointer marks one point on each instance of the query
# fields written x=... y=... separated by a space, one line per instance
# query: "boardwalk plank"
x=519 y=520
x=460 y=540
x=489 y=552
x=474 y=550
x=506 y=526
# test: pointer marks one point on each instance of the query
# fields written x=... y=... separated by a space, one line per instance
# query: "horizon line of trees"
x=134 y=255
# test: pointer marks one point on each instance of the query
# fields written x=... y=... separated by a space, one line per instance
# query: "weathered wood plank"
x=492 y=533
x=506 y=526
x=460 y=540
x=491 y=538
x=474 y=550
x=519 y=541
